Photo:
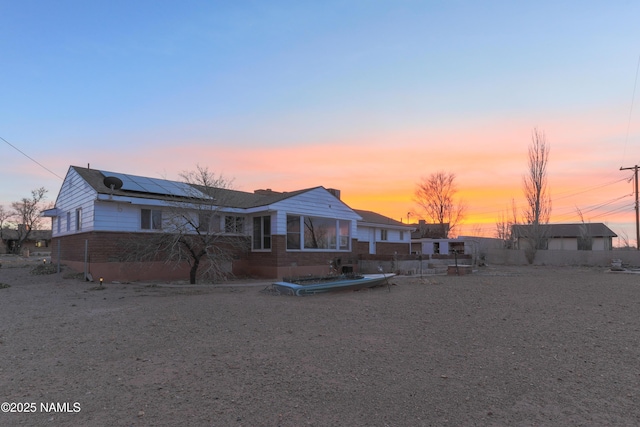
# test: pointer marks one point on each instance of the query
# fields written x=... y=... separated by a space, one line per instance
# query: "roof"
x=568 y=230
x=425 y=230
x=224 y=197
x=34 y=235
x=376 y=218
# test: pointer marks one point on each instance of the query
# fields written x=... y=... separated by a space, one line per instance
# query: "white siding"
x=316 y=202
x=365 y=231
x=563 y=243
x=115 y=216
x=599 y=244
x=75 y=193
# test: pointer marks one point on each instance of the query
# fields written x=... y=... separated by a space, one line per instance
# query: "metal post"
x=58 y=257
x=635 y=176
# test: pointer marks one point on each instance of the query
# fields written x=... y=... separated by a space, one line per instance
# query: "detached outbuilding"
x=579 y=236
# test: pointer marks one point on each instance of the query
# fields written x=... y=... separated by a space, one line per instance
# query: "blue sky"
x=366 y=96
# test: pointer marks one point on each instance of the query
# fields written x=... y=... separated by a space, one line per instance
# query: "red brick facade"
x=104 y=258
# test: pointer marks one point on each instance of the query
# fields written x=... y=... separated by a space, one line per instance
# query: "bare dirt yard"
x=526 y=346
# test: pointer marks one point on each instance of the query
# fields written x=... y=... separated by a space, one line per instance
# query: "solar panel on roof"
x=155 y=185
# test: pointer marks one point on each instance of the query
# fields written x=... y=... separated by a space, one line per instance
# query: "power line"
x=31 y=158
x=633 y=97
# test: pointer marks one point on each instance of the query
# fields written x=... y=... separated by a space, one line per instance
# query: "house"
x=579 y=236
x=37 y=241
x=285 y=233
x=381 y=235
x=432 y=240
x=422 y=230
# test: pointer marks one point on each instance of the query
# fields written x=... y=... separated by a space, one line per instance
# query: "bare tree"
x=4 y=216
x=436 y=197
x=504 y=226
x=26 y=214
x=538 y=210
x=585 y=240
x=193 y=229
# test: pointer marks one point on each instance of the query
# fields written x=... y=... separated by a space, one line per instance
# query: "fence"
x=562 y=257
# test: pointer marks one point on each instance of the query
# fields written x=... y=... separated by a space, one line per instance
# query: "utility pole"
x=635 y=175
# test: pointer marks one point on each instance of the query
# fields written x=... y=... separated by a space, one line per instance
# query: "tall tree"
x=26 y=214
x=193 y=229
x=436 y=197
x=535 y=188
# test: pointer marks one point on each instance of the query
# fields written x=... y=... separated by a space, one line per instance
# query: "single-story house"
x=381 y=235
x=424 y=230
x=577 y=236
x=37 y=241
x=286 y=233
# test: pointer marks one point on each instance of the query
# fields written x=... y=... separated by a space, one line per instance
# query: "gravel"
x=530 y=346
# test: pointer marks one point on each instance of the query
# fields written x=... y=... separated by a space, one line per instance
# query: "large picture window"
x=317 y=233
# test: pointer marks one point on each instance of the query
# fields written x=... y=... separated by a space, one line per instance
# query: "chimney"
x=265 y=192
x=335 y=192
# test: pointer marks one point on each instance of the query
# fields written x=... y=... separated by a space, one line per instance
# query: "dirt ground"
x=506 y=346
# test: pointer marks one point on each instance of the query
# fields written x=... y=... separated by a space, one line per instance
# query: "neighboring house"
x=37 y=241
x=381 y=235
x=431 y=239
x=422 y=230
x=580 y=236
x=438 y=247
x=91 y=217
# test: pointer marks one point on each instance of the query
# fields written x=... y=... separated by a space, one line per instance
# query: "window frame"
x=79 y=219
x=153 y=221
x=327 y=234
x=261 y=233
x=234 y=224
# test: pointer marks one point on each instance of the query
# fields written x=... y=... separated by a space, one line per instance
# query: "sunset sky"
x=364 y=96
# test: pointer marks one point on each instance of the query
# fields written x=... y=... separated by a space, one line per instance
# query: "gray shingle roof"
x=568 y=230
x=376 y=218
x=225 y=197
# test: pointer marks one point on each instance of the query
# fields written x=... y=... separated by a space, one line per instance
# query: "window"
x=261 y=232
x=319 y=233
x=79 y=219
x=309 y=232
x=383 y=234
x=343 y=227
x=234 y=224
x=150 y=219
x=208 y=222
x=585 y=243
x=401 y=235
x=293 y=232
x=68 y=221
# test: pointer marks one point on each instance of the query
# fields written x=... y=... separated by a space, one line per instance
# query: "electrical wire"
x=31 y=158
x=633 y=98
